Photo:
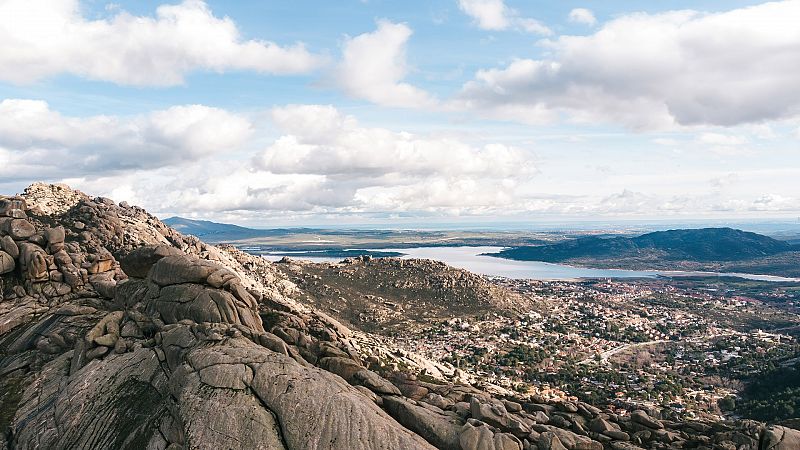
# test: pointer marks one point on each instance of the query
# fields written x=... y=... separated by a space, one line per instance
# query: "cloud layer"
x=43 y=38
x=322 y=141
x=651 y=71
x=39 y=143
x=390 y=170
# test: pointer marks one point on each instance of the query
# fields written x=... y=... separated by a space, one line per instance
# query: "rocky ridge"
x=390 y=295
x=119 y=332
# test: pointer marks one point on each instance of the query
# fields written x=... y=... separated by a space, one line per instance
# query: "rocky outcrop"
x=172 y=354
x=393 y=295
x=118 y=332
x=781 y=438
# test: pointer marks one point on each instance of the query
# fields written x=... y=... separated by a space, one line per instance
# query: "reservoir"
x=471 y=259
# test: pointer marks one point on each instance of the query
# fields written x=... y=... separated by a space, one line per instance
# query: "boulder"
x=602 y=426
x=18 y=229
x=780 y=438
x=55 y=238
x=512 y=406
x=200 y=303
x=138 y=262
x=549 y=441
x=505 y=441
x=33 y=262
x=375 y=382
x=8 y=245
x=101 y=266
x=642 y=418
x=220 y=278
x=344 y=367
x=439 y=429
x=491 y=413
x=476 y=438
x=317 y=409
x=440 y=402
x=12 y=207
x=413 y=390
x=482 y=438
x=177 y=269
x=7 y=263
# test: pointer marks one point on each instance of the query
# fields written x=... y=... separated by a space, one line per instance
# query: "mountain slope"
x=392 y=295
x=218 y=232
x=701 y=245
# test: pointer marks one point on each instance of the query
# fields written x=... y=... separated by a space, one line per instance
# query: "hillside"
x=392 y=296
x=118 y=332
x=717 y=249
x=218 y=232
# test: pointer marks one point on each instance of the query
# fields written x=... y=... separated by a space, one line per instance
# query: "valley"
x=687 y=346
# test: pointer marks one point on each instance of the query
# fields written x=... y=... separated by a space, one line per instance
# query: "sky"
x=301 y=112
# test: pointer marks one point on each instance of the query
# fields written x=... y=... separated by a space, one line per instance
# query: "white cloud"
x=374 y=65
x=41 y=38
x=38 y=142
x=376 y=169
x=656 y=71
x=667 y=142
x=199 y=160
x=721 y=139
x=774 y=202
x=193 y=159
x=724 y=144
x=582 y=16
x=495 y=15
x=322 y=141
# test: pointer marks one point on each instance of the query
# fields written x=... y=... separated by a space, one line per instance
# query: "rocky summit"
x=116 y=331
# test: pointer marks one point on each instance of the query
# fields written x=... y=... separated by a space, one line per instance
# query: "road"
x=609 y=353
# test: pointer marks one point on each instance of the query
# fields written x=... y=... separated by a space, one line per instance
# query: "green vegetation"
x=707 y=249
x=772 y=396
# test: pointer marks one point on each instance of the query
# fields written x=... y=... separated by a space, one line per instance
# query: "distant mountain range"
x=220 y=232
x=337 y=239
x=700 y=245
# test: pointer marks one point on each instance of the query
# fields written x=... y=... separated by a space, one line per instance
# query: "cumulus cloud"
x=374 y=65
x=656 y=71
x=325 y=161
x=380 y=169
x=582 y=16
x=323 y=141
x=495 y=15
x=41 y=38
x=38 y=142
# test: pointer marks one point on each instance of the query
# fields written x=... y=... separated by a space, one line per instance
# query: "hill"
x=219 y=232
x=393 y=296
x=693 y=249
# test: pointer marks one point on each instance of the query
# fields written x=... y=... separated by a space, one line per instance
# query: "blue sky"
x=453 y=111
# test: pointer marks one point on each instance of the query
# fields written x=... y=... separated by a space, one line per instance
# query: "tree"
x=727 y=403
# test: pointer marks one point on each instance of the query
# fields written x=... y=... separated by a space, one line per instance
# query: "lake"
x=470 y=258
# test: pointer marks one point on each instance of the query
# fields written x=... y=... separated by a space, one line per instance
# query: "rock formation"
x=118 y=332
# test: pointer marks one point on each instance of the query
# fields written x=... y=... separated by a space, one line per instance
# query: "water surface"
x=471 y=258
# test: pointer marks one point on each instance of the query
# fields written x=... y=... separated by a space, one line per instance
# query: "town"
x=681 y=346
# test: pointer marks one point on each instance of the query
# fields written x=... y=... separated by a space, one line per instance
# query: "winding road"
x=609 y=353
